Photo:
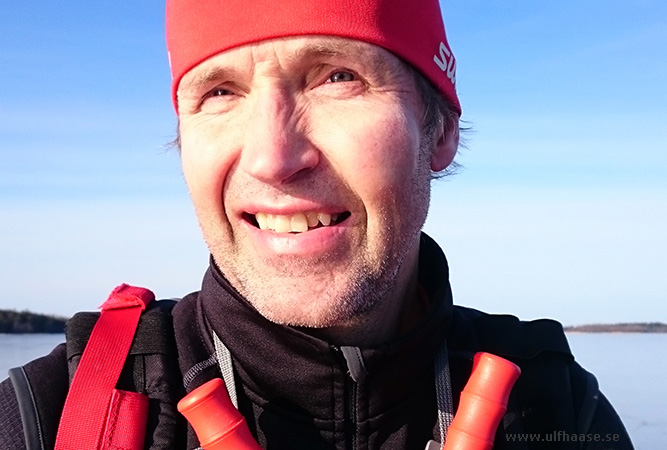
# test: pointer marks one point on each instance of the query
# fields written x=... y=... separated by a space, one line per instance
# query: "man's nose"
x=276 y=148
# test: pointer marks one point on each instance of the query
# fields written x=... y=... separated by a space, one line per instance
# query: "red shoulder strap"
x=91 y=409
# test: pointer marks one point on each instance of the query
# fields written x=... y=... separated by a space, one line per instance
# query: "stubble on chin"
x=290 y=291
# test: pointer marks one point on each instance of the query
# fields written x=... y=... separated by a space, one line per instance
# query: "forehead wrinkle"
x=326 y=48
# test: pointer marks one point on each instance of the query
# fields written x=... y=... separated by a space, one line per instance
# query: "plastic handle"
x=483 y=403
x=217 y=423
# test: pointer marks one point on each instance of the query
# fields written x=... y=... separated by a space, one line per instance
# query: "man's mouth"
x=295 y=223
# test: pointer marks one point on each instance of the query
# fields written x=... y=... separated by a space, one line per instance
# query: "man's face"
x=309 y=172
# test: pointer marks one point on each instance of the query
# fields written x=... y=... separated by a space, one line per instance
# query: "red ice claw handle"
x=217 y=423
x=483 y=403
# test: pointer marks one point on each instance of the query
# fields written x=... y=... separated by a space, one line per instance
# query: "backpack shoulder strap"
x=92 y=400
x=39 y=389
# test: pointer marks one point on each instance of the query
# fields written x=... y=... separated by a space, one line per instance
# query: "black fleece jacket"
x=299 y=392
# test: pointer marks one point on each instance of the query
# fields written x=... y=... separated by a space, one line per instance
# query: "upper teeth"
x=298 y=222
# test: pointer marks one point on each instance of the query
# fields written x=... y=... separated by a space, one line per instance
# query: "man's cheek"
x=205 y=171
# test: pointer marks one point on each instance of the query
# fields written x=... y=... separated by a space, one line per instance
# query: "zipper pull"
x=355 y=363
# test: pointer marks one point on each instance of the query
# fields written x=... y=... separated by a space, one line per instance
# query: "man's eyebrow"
x=198 y=80
x=333 y=48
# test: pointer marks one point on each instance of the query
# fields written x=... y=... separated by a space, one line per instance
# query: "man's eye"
x=219 y=92
x=218 y=100
x=341 y=76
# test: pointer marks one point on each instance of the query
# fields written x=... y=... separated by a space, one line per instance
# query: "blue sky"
x=559 y=211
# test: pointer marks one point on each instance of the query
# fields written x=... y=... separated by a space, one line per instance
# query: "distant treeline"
x=650 y=327
x=27 y=322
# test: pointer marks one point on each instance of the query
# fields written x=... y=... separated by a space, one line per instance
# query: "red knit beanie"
x=411 y=29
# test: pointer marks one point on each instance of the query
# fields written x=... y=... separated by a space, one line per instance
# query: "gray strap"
x=443 y=390
x=226 y=368
x=443 y=383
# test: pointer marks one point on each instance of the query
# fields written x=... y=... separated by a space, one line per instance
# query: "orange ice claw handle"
x=483 y=403
x=217 y=423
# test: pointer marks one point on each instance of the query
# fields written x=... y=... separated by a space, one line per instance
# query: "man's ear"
x=446 y=144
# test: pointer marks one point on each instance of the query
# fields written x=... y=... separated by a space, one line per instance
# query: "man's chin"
x=301 y=294
x=307 y=313
x=307 y=308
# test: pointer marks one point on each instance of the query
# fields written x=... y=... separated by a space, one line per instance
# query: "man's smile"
x=295 y=223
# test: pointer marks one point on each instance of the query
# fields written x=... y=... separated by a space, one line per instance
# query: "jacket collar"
x=290 y=366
